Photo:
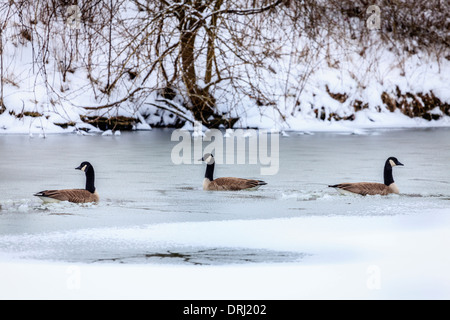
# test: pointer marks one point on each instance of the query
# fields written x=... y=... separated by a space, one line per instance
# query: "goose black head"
x=84 y=166
x=394 y=162
x=88 y=169
x=208 y=158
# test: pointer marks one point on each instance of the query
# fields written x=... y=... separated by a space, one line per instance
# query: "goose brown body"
x=71 y=195
x=226 y=183
x=231 y=184
x=372 y=188
x=367 y=188
x=87 y=195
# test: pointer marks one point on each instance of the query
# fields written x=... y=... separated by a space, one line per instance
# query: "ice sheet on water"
x=107 y=133
x=206 y=256
x=37 y=206
x=16 y=206
x=302 y=195
x=133 y=245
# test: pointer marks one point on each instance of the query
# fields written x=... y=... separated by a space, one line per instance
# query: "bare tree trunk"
x=109 y=87
x=2 y=27
x=2 y=107
x=212 y=33
x=202 y=102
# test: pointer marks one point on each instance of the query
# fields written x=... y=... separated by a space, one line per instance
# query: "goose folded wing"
x=229 y=183
x=364 y=188
x=71 y=195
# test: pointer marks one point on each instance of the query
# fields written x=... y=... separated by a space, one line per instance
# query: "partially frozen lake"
x=301 y=238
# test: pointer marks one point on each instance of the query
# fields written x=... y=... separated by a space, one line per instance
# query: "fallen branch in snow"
x=170 y=110
x=113 y=104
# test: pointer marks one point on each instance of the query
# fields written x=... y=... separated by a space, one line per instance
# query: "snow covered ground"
x=400 y=257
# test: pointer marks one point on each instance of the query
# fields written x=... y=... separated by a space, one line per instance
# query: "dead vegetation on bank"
x=193 y=53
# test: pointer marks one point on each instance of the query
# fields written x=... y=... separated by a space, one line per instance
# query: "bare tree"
x=193 y=30
x=199 y=59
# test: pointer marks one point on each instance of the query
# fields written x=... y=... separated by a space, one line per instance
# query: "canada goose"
x=222 y=184
x=370 y=188
x=74 y=195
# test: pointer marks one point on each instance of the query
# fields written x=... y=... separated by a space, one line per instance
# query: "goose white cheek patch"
x=209 y=160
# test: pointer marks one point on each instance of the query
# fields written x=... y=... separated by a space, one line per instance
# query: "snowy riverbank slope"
x=54 y=77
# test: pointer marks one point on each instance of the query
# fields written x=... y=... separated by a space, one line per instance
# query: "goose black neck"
x=388 y=178
x=90 y=179
x=209 y=172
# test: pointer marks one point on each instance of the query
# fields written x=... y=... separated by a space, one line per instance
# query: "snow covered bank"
x=390 y=257
x=338 y=78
